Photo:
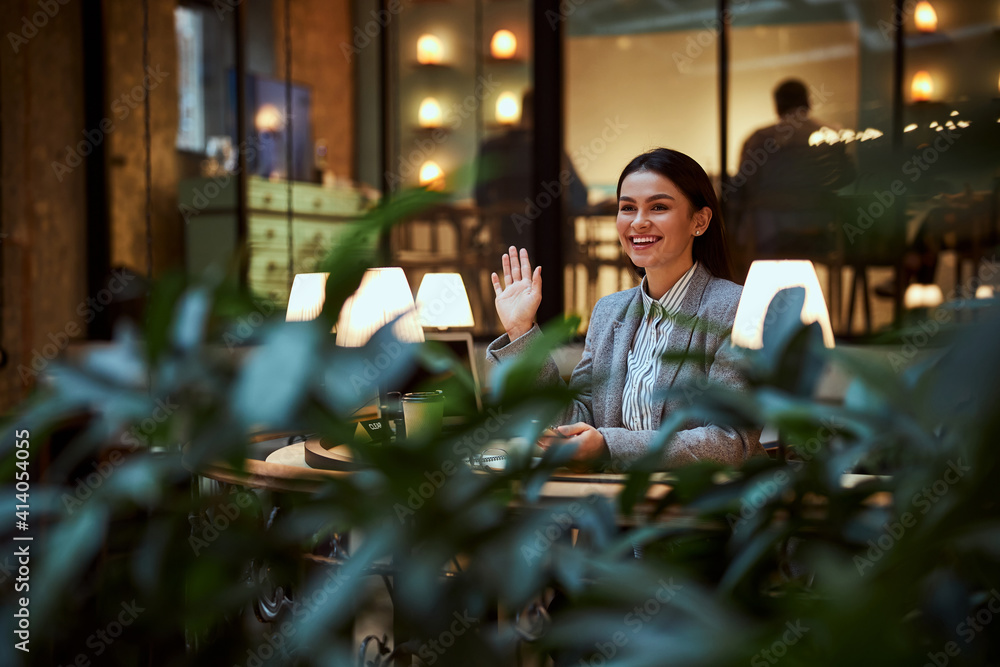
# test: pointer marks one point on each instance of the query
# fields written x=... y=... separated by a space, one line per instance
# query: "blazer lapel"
x=679 y=340
x=623 y=331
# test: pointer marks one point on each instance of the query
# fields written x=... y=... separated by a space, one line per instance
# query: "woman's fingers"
x=505 y=262
x=515 y=264
x=496 y=284
x=575 y=428
x=525 y=264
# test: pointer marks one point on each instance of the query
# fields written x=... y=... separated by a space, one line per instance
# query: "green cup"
x=423 y=414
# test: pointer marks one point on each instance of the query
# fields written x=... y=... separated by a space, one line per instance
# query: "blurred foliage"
x=135 y=559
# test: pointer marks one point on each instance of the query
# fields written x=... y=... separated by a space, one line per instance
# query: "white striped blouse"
x=645 y=357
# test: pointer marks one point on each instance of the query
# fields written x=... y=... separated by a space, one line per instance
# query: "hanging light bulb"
x=431 y=176
x=922 y=86
x=503 y=46
x=924 y=17
x=429 y=115
x=508 y=111
x=429 y=50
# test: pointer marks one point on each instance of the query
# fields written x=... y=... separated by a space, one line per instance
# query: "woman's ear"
x=702 y=219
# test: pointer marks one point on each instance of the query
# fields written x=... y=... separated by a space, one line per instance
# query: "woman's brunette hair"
x=710 y=248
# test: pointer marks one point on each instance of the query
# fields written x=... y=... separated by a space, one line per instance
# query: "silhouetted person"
x=785 y=186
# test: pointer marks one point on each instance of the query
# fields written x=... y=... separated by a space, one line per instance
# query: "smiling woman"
x=671 y=331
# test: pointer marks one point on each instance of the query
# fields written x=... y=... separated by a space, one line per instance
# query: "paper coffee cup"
x=423 y=414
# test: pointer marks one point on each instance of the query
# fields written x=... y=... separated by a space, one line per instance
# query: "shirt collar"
x=669 y=302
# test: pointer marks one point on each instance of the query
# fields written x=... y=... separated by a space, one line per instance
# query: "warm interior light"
x=431 y=175
x=922 y=87
x=430 y=113
x=508 y=109
x=442 y=301
x=503 y=45
x=925 y=18
x=922 y=296
x=910 y=128
x=383 y=295
x=268 y=119
x=984 y=292
x=429 y=50
x=765 y=279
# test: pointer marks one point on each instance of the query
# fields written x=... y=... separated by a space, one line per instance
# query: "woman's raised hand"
x=520 y=295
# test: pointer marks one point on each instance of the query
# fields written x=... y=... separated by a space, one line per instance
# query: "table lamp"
x=765 y=279
x=383 y=295
x=442 y=302
x=305 y=302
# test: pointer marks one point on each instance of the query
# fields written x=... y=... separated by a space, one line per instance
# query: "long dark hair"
x=710 y=248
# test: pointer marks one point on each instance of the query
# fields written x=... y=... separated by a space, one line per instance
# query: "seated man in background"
x=785 y=186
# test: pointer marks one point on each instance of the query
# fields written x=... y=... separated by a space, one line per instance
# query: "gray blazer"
x=600 y=376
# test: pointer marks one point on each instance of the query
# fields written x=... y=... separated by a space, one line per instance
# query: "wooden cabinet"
x=320 y=216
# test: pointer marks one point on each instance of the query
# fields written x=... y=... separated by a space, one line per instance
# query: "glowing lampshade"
x=503 y=45
x=764 y=281
x=430 y=113
x=268 y=119
x=383 y=295
x=306 y=300
x=922 y=296
x=922 y=87
x=508 y=109
x=985 y=292
x=442 y=301
x=429 y=50
x=431 y=175
x=924 y=17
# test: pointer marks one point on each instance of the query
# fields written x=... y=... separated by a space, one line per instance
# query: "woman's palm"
x=518 y=299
